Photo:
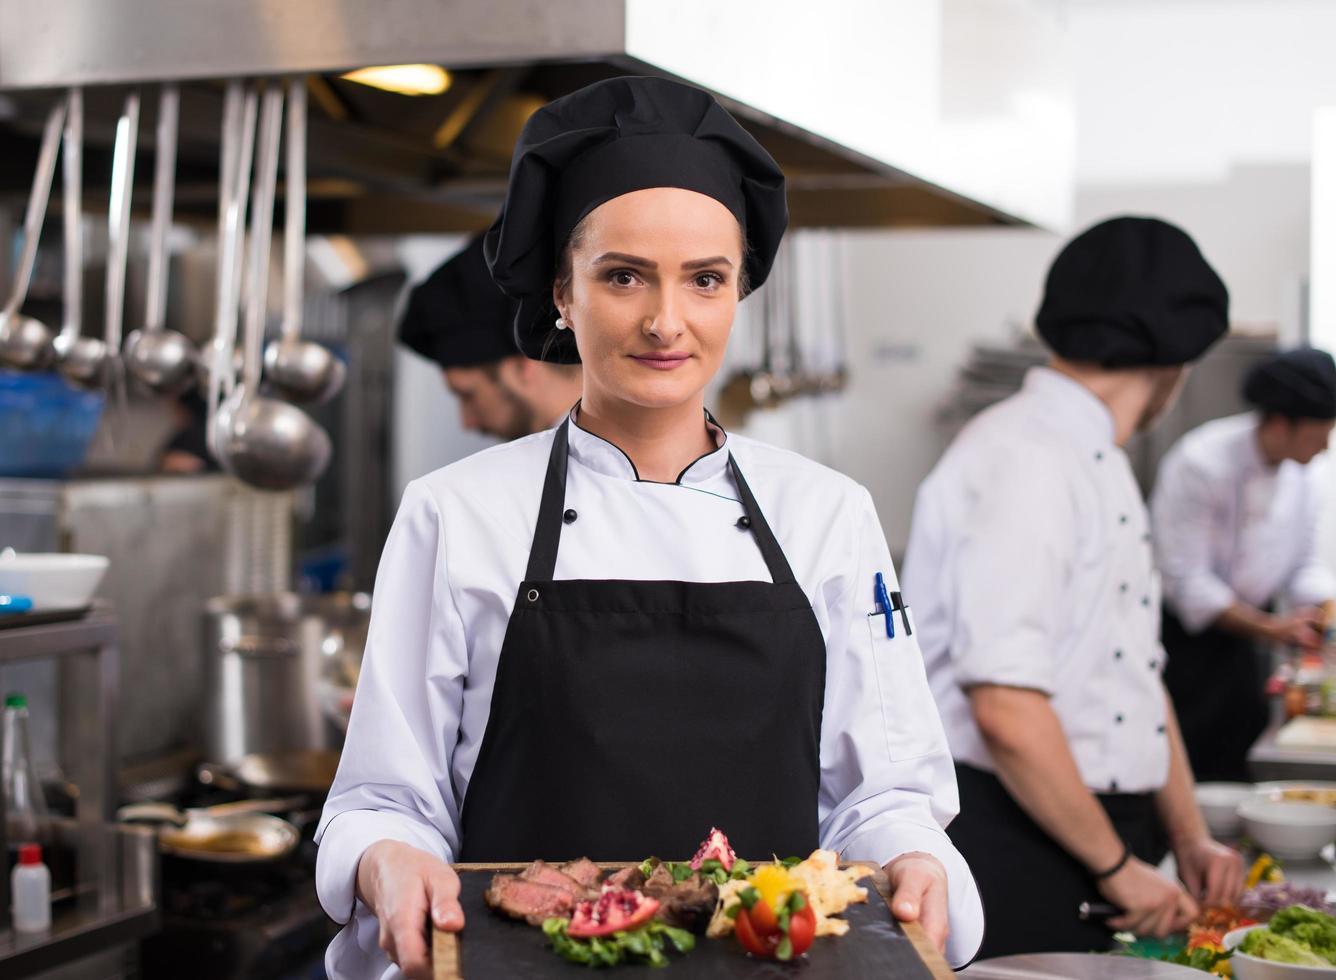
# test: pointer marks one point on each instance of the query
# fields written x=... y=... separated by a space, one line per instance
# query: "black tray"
x=492 y=947
x=42 y=617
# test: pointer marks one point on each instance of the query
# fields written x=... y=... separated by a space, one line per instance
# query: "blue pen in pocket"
x=883 y=600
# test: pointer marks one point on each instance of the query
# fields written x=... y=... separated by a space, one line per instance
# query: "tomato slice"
x=802 y=929
x=759 y=946
x=763 y=918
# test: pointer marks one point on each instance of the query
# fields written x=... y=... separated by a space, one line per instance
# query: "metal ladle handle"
x=32 y=219
x=118 y=218
x=262 y=219
x=164 y=180
x=238 y=142
x=72 y=191
x=294 y=228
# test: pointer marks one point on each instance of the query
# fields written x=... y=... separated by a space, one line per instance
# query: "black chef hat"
x=609 y=139
x=1132 y=292
x=1298 y=383
x=458 y=317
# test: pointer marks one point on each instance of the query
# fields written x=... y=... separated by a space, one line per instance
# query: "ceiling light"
x=404 y=79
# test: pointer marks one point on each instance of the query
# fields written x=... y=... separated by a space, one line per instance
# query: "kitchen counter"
x=1269 y=761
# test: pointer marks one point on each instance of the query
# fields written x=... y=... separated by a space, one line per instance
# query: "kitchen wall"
x=1199 y=111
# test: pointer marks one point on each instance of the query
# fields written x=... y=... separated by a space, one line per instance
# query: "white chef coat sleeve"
x=887 y=781
x=393 y=780
x=1182 y=506
x=1313 y=582
x=1013 y=561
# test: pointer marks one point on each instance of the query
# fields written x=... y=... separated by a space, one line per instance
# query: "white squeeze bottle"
x=30 y=886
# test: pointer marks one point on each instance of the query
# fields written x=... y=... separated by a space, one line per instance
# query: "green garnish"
x=647 y=944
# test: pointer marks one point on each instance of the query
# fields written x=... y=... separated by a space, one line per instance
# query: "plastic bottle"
x=30 y=885
x=26 y=819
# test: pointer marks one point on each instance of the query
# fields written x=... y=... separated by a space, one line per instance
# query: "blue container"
x=45 y=424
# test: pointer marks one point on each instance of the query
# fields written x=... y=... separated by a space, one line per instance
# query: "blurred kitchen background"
x=938 y=152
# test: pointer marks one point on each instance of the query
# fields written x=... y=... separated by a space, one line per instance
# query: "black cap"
x=1132 y=292
x=1298 y=383
x=457 y=316
x=609 y=139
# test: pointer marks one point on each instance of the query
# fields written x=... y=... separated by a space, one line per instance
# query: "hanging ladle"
x=79 y=359
x=299 y=370
x=25 y=342
x=266 y=442
x=161 y=359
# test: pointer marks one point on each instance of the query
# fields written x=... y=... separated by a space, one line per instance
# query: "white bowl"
x=1288 y=830
x=1247 y=967
x=52 y=581
x=1219 y=803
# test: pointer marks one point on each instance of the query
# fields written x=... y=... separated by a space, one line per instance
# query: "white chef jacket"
x=447 y=581
x=1229 y=526
x=1030 y=565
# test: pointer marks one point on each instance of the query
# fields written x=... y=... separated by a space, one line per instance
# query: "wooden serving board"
x=492 y=947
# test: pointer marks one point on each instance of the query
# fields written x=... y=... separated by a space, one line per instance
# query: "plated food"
x=1300 y=938
x=650 y=912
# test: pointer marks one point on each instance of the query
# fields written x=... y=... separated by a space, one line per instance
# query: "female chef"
x=605 y=638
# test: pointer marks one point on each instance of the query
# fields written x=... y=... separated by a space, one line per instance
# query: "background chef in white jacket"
x=1030 y=565
x=604 y=638
x=1235 y=510
x=460 y=319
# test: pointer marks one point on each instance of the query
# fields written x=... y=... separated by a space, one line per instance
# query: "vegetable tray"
x=492 y=947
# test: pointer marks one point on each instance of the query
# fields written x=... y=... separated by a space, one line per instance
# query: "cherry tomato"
x=802 y=929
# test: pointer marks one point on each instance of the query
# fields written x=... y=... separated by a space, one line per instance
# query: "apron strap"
x=547 y=533
x=780 y=572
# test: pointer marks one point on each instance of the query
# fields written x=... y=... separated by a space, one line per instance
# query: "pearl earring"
x=561 y=323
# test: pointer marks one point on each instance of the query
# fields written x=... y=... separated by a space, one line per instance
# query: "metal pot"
x=264 y=657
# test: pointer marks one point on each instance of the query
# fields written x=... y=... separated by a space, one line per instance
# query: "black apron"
x=1031 y=888
x=630 y=717
x=1217 y=681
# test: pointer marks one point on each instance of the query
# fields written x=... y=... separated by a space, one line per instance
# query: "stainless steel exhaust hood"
x=919 y=112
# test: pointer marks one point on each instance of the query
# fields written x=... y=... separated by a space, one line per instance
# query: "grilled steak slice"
x=584 y=871
x=631 y=878
x=531 y=901
x=546 y=874
x=686 y=904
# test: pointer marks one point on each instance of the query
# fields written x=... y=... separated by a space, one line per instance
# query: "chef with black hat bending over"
x=605 y=638
x=1031 y=567
x=459 y=318
x=1236 y=507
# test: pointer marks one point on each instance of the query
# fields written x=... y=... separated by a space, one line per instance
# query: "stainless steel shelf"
x=1268 y=761
x=119 y=909
x=74 y=637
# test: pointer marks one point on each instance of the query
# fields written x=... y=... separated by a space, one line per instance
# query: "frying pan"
x=233 y=833
x=302 y=771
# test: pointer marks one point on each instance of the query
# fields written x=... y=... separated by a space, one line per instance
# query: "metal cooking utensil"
x=78 y=359
x=161 y=359
x=299 y=370
x=25 y=343
x=244 y=832
x=237 y=143
x=89 y=361
x=265 y=442
x=302 y=771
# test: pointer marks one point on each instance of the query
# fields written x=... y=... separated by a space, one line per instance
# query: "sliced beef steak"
x=531 y=901
x=631 y=878
x=686 y=904
x=584 y=871
x=544 y=873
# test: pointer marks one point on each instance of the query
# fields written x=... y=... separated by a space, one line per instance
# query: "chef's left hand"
x=918 y=894
x=1211 y=872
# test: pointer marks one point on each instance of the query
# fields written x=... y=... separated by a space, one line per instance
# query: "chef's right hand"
x=1152 y=904
x=1300 y=628
x=401 y=883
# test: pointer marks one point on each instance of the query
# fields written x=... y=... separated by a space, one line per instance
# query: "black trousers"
x=1031 y=887
x=1217 y=681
